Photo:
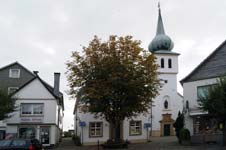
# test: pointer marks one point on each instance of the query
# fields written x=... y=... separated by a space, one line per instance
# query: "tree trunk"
x=117 y=132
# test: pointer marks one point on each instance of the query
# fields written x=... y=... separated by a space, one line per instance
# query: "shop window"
x=162 y=63
x=27 y=132
x=12 y=90
x=32 y=109
x=96 y=129
x=135 y=128
x=14 y=73
x=169 y=63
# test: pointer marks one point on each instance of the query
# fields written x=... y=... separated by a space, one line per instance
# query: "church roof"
x=161 y=41
x=213 y=66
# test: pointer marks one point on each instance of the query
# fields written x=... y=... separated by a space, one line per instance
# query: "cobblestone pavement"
x=159 y=143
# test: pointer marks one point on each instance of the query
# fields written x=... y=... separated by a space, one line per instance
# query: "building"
x=10 y=82
x=196 y=86
x=159 y=121
x=39 y=106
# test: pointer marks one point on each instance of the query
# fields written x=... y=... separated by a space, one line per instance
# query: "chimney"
x=35 y=72
x=56 y=89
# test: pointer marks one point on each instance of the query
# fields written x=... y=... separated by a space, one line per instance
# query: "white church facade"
x=163 y=111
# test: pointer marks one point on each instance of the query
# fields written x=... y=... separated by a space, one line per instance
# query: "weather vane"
x=159 y=4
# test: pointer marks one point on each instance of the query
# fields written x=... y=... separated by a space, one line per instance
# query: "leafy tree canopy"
x=215 y=101
x=6 y=105
x=113 y=79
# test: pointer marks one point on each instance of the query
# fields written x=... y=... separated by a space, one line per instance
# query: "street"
x=157 y=143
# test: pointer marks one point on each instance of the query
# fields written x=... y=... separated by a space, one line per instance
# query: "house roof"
x=17 y=63
x=211 y=67
x=47 y=86
x=35 y=76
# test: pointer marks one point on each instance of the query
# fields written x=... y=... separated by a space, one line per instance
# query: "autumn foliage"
x=115 y=79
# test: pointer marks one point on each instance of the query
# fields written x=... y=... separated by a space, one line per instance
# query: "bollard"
x=98 y=144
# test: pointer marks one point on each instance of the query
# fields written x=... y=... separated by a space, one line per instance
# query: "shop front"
x=35 y=131
x=206 y=129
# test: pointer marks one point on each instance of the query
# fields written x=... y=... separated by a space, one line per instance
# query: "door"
x=2 y=134
x=166 y=129
x=45 y=135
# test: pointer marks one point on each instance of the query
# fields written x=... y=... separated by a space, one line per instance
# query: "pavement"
x=157 y=143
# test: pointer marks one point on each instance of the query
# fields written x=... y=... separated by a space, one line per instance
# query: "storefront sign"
x=31 y=119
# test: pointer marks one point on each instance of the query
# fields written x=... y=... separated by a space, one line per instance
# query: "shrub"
x=77 y=140
x=184 y=134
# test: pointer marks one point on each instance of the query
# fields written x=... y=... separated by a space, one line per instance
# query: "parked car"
x=20 y=144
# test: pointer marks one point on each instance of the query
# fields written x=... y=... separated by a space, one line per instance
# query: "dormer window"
x=14 y=73
x=12 y=90
x=162 y=63
x=169 y=63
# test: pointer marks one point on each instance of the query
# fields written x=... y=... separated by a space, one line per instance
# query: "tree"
x=113 y=79
x=179 y=124
x=215 y=102
x=6 y=105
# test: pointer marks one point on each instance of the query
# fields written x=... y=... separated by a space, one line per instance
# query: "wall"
x=136 y=138
x=190 y=95
x=174 y=59
x=190 y=90
x=39 y=95
x=84 y=132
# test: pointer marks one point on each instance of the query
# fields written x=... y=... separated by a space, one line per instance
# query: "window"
x=38 y=109
x=169 y=63
x=27 y=132
x=166 y=104
x=32 y=109
x=202 y=91
x=135 y=128
x=12 y=90
x=187 y=104
x=96 y=129
x=162 y=63
x=14 y=73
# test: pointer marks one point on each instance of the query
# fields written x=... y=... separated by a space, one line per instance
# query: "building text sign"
x=31 y=119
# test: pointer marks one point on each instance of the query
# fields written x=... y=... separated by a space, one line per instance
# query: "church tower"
x=167 y=105
x=162 y=46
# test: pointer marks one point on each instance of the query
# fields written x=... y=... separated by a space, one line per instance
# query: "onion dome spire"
x=161 y=40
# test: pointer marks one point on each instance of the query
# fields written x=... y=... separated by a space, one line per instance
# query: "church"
x=163 y=111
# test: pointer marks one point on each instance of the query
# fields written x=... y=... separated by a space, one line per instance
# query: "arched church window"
x=162 y=63
x=166 y=104
x=169 y=63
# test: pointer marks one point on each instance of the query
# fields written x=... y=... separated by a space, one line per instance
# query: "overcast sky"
x=41 y=34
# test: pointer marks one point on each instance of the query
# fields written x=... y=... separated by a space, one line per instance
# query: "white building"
x=164 y=108
x=39 y=109
x=196 y=85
